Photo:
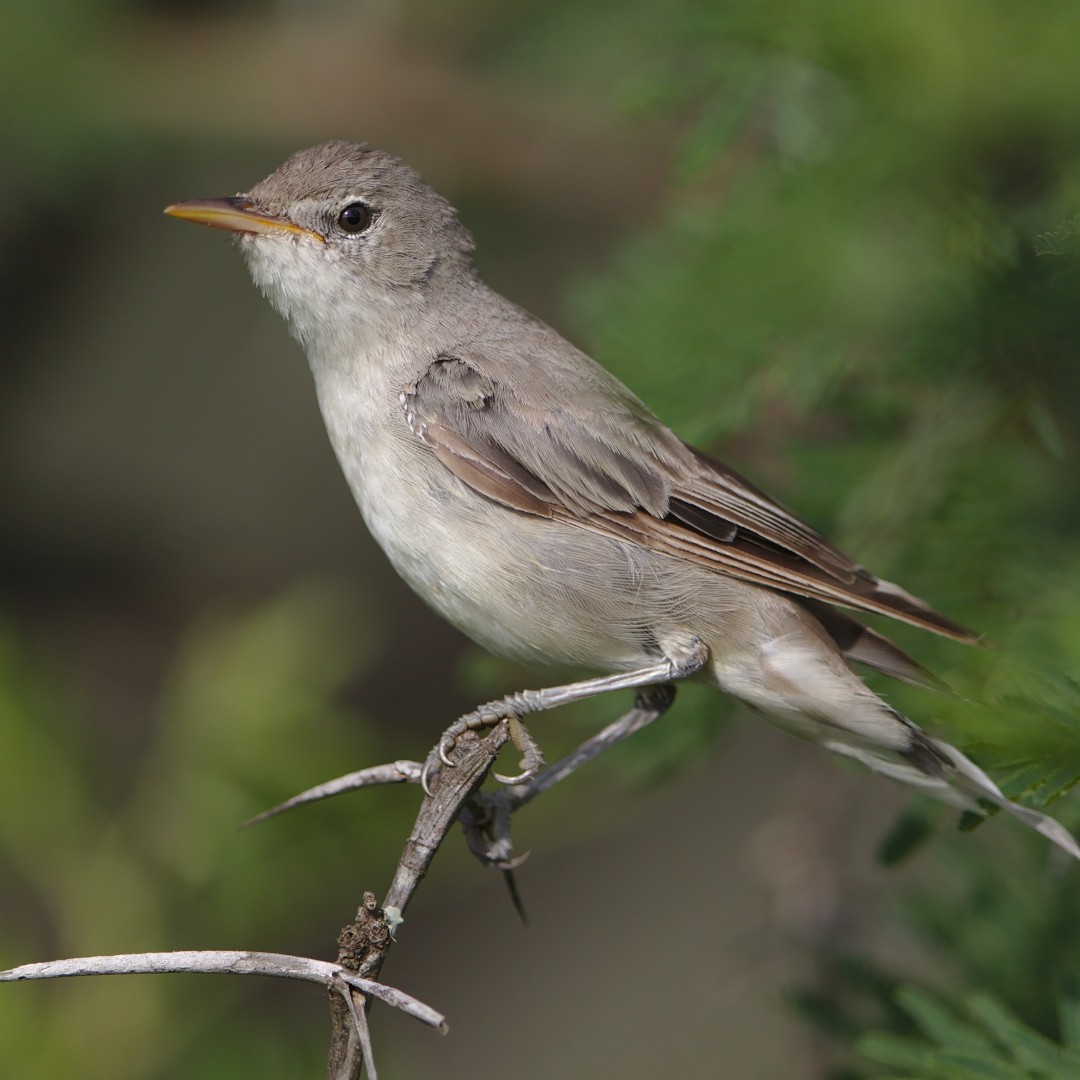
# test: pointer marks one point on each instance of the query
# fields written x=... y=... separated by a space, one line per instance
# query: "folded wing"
x=594 y=457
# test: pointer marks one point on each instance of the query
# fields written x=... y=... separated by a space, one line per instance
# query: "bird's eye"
x=355 y=218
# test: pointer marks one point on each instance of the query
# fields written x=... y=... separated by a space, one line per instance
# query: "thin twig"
x=652 y=702
x=396 y=772
x=488 y=815
x=363 y=1033
x=227 y=962
x=487 y=824
x=391 y=995
x=438 y=812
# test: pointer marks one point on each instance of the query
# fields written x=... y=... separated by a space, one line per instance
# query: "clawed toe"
x=485 y=820
x=532 y=760
x=428 y=773
x=446 y=744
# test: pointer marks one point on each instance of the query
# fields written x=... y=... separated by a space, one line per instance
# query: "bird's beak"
x=237 y=213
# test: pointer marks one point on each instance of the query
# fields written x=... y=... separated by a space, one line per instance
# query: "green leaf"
x=1026 y=1047
x=939 y=1023
x=1005 y=1048
x=1069 y=1018
x=896 y=1050
x=908 y=834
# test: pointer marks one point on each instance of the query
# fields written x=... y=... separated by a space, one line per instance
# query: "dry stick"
x=438 y=812
x=650 y=704
x=350 y=1042
x=350 y=1046
x=396 y=772
x=455 y=788
x=226 y=962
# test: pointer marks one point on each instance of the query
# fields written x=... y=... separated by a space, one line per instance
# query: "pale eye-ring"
x=355 y=218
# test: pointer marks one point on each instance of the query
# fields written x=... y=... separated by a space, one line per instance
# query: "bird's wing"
x=593 y=456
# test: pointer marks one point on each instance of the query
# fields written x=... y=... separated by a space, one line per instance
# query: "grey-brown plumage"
x=537 y=504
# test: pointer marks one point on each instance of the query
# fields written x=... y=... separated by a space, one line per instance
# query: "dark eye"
x=355 y=218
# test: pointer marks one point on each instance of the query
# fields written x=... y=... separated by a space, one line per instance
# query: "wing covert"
x=593 y=456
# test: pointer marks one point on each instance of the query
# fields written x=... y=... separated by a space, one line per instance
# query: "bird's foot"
x=509 y=711
x=532 y=759
x=486 y=820
x=684 y=655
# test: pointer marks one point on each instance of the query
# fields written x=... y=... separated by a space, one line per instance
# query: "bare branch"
x=362 y=1031
x=456 y=795
x=226 y=962
x=472 y=759
x=396 y=772
x=364 y=943
x=398 y=999
x=202 y=961
x=439 y=811
x=651 y=703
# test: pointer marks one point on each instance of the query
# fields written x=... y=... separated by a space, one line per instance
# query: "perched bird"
x=533 y=501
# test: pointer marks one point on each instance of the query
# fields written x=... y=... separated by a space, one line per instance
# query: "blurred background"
x=835 y=245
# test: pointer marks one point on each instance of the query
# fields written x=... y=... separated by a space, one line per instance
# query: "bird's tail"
x=811 y=691
x=969 y=778
x=942 y=771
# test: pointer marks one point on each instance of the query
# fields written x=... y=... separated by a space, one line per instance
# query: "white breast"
x=518 y=584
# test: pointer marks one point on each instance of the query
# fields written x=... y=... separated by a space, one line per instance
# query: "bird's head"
x=343 y=239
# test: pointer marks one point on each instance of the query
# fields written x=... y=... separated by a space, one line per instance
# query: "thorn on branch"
x=363 y=943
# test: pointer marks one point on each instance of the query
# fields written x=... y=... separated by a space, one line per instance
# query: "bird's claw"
x=485 y=819
x=494 y=853
x=532 y=759
x=439 y=757
x=446 y=744
x=426 y=773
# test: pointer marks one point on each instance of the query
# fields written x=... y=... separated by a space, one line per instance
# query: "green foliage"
x=978 y=1038
x=846 y=276
x=1003 y=926
x=1061 y=240
x=163 y=866
x=859 y=286
x=861 y=290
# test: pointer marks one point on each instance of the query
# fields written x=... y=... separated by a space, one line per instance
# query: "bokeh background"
x=836 y=244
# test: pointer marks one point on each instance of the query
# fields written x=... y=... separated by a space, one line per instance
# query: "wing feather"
x=594 y=457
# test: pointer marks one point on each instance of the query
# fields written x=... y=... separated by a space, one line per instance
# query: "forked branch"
x=353 y=981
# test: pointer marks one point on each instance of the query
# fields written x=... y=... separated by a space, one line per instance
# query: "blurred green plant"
x=858 y=292
x=978 y=1038
x=247 y=698
x=1003 y=926
x=861 y=287
x=844 y=291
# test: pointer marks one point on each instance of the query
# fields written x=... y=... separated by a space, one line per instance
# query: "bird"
x=539 y=506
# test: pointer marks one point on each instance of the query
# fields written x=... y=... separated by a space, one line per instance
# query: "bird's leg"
x=650 y=703
x=486 y=817
x=679 y=663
